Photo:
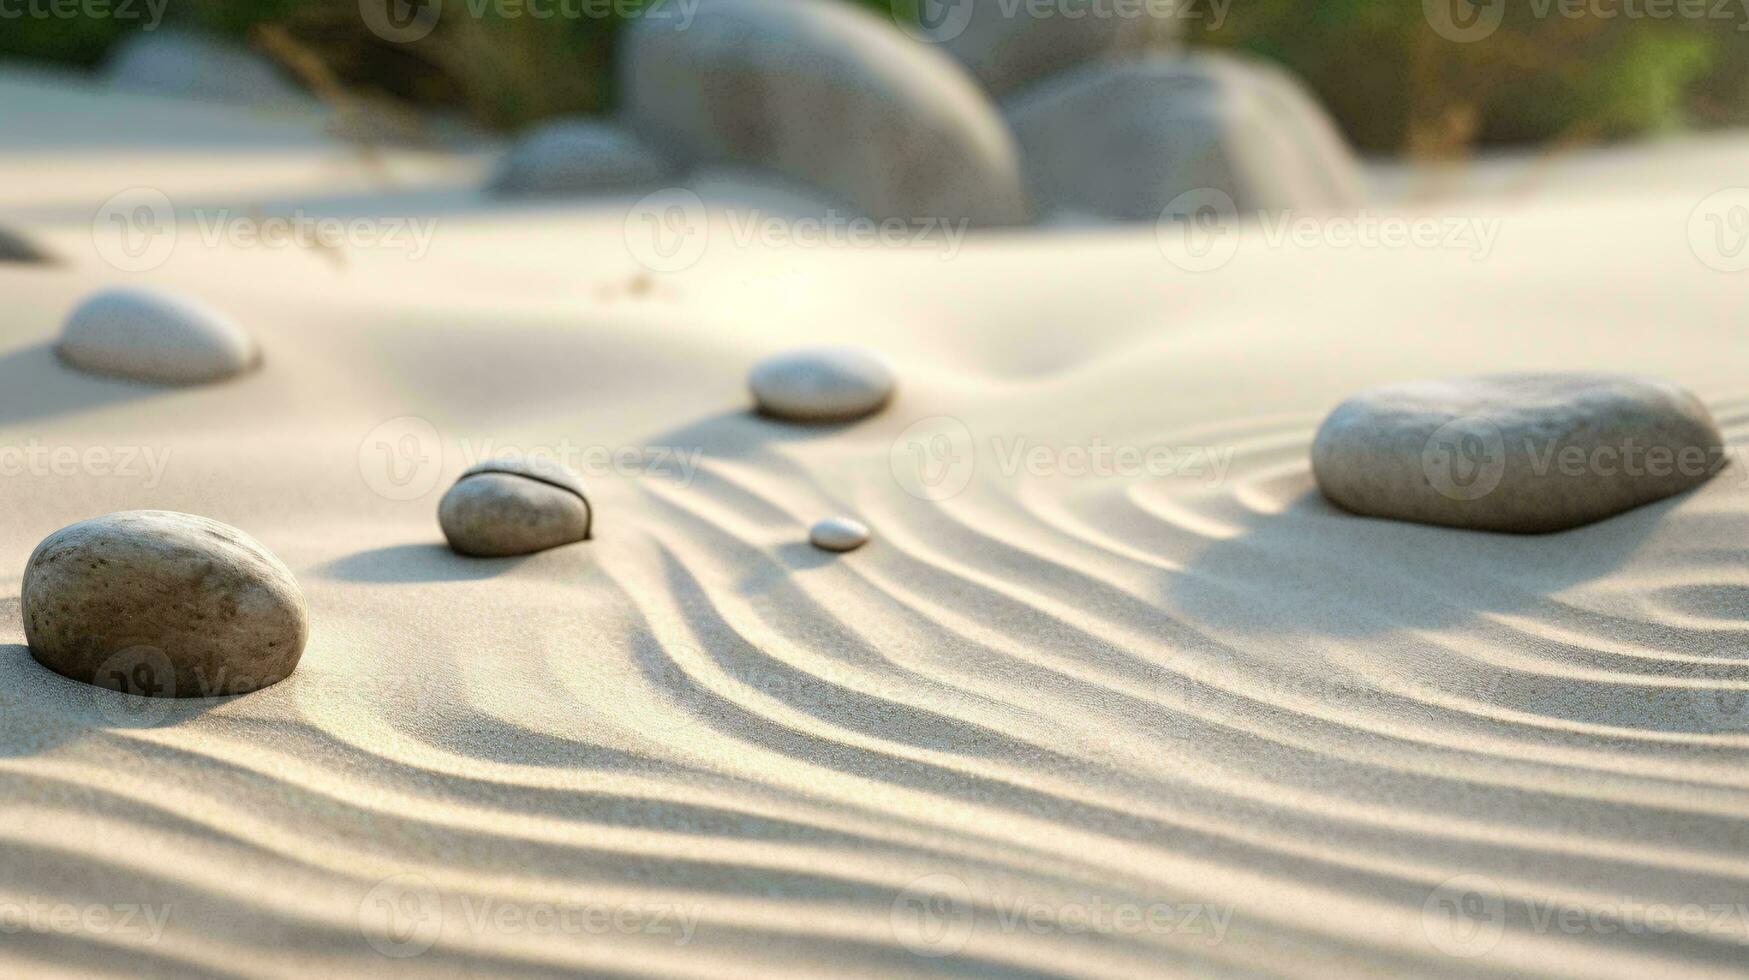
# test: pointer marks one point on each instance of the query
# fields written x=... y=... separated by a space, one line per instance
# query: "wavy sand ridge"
x=1056 y=720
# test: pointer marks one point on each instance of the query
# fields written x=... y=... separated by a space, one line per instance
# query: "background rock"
x=827 y=94
x=1006 y=47
x=1123 y=139
x=569 y=156
x=189 y=65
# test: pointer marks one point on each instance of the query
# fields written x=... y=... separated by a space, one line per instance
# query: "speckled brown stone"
x=162 y=604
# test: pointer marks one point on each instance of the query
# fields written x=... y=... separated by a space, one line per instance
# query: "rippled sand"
x=1114 y=723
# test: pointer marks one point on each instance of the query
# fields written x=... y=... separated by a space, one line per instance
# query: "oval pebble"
x=838 y=534
x=822 y=384
x=1516 y=453
x=571 y=156
x=149 y=335
x=515 y=506
x=162 y=604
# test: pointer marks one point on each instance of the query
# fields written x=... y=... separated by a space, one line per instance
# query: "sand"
x=1116 y=723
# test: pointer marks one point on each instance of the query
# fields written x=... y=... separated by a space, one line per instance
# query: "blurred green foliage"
x=1393 y=83
x=1542 y=76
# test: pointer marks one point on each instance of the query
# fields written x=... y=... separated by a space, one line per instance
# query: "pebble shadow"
x=729 y=436
x=40 y=709
x=16 y=248
x=1347 y=575
x=417 y=563
x=24 y=398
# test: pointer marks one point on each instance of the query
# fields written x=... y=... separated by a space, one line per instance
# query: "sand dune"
x=1193 y=722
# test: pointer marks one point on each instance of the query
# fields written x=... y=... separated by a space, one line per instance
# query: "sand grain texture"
x=1203 y=689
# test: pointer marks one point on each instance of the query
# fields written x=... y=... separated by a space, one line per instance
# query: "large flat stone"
x=1519 y=453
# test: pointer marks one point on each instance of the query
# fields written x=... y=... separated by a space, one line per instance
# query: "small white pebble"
x=838 y=534
x=822 y=384
x=149 y=334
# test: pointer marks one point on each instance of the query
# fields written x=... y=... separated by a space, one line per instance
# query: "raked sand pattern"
x=1182 y=719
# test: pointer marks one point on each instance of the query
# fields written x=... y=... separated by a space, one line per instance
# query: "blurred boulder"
x=16 y=248
x=190 y=65
x=826 y=93
x=570 y=156
x=1123 y=139
x=1008 y=44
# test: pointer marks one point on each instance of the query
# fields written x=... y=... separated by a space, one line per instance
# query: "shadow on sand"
x=24 y=397
x=1315 y=568
x=417 y=563
x=44 y=709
